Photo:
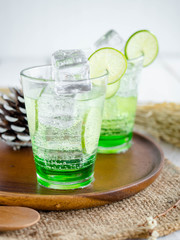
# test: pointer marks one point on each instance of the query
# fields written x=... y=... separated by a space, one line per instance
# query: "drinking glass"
x=119 y=110
x=64 y=128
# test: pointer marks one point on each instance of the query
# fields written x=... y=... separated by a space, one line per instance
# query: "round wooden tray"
x=117 y=176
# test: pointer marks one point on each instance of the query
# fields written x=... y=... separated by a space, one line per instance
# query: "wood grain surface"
x=13 y=218
x=117 y=176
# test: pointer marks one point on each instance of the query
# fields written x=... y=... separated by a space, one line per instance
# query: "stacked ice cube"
x=110 y=39
x=71 y=72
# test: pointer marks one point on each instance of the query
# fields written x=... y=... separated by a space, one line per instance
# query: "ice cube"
x=57 y=111
x=69 y=68
x=110 y=39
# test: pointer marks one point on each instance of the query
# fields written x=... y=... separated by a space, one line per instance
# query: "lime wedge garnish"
x=32 y=114
x=108 y=59
x=91 y=130
x=142 y=43
x=112 y=89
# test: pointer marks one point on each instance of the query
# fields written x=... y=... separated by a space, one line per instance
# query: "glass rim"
x=43 y=80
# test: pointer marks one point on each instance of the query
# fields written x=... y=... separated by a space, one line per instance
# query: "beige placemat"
x=120 y=220
x=162 y=120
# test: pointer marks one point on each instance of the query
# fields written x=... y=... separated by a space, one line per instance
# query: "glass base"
x=64 y=186
x=115 y=144
x=66 y=179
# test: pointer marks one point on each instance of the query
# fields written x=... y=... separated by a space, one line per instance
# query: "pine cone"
x=13 y=121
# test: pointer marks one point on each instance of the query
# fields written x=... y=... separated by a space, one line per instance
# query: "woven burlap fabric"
x=118 y=220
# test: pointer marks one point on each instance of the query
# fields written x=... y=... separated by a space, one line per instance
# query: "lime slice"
x=32 y=114
x=107 y=59
x=112 y=89
x=91 y=130
x=142 y=43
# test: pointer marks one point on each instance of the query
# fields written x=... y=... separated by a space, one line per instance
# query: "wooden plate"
x=117 y=176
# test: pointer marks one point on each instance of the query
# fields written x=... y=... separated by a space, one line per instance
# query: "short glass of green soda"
x=140 y=50
x=120 y=109
x=64 y=128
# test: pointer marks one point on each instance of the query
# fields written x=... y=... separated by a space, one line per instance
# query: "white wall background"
x=30 y=30
x=38 y=27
